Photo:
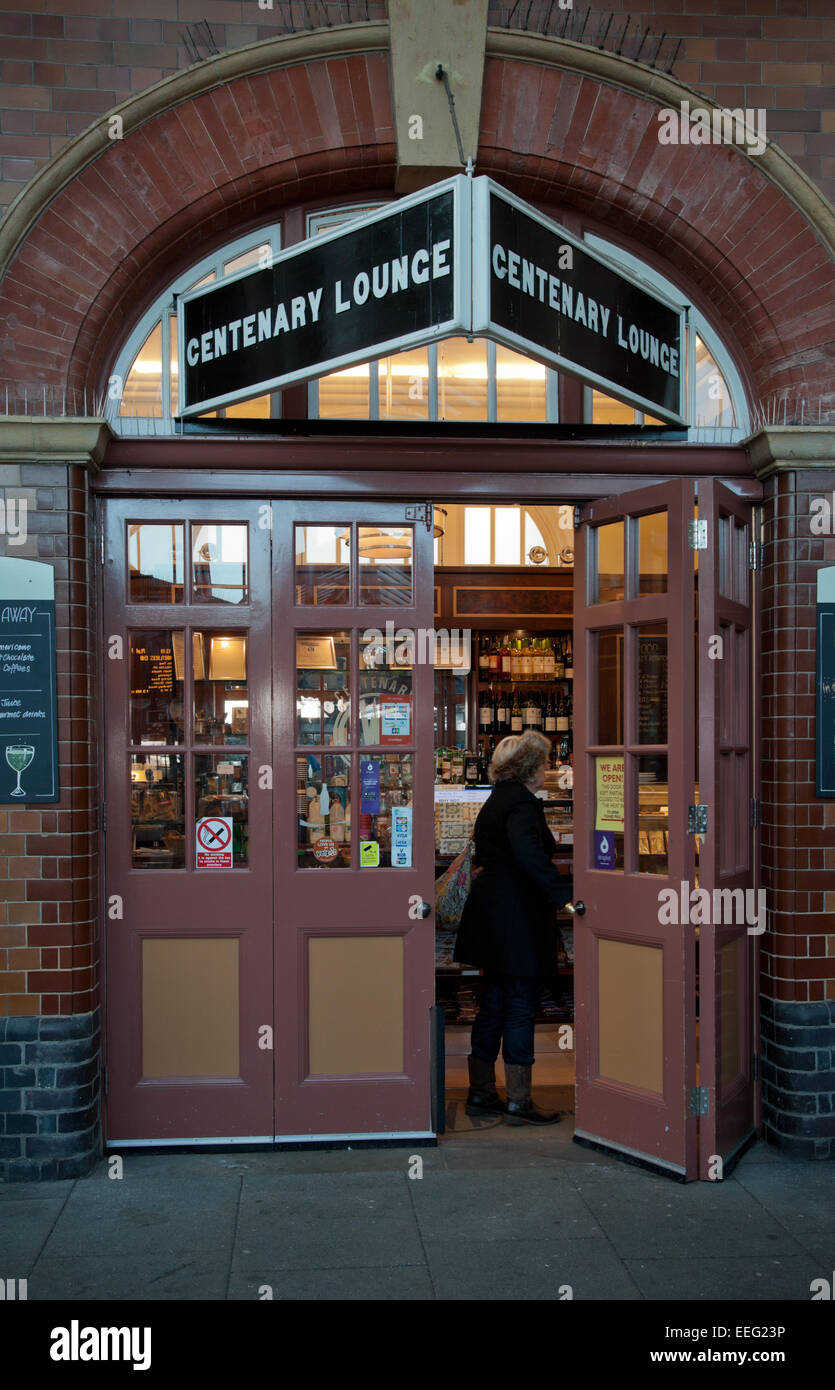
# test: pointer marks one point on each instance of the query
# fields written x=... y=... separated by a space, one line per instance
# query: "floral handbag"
x=452 y=889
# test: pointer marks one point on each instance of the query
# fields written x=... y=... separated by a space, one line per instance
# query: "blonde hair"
x=518 y=756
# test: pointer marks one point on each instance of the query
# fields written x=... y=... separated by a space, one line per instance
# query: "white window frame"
x=697 y=326
x=163 y=308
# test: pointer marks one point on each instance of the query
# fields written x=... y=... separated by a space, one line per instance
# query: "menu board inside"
x=28 y=696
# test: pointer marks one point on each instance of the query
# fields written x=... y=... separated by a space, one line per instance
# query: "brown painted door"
x=188 y=841
x=729 y=938
x=354 y=818
x=635 y=973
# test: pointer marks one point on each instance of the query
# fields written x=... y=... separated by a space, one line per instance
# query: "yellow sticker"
x=369 y=854
x=609 y=786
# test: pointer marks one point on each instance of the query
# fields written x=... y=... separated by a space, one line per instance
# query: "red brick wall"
x=798 y=836
x=65 y=62
x=49 y=909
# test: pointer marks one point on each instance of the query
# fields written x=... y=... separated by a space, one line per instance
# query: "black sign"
x=550 y=297
x=28 y=696
x=825 y=701
x=383 y=282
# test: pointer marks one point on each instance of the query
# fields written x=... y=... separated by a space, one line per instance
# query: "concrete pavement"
x=498 y=1213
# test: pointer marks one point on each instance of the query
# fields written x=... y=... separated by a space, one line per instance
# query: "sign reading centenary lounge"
x=28 y=690
x=463 y=256
x=384 y=282
x=574 y=311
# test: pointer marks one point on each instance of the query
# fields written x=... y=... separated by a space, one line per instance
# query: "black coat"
x=508 y=923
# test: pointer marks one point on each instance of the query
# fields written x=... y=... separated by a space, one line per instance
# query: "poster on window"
x=395 y=719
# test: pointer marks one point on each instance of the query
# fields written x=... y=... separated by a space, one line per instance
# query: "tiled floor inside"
x=554 y=1065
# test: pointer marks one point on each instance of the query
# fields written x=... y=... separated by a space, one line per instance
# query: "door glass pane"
x=653 y=815
x=652 y=683
x=385 y=554
x=652 y=553
x=157 y=811
x=322 y=689
x=404 y=385
x=462 y=379
x=221 y=699
x=607 y=576
x=323 y=814
x=322 y=564
x=219 y=556
x=386 y=713
x=156 y=689
x=344 y=395
x=155 y=562
x=221 y=802
x=508 y=535
x=609 y=663
x=386 y=812
x=520 y=387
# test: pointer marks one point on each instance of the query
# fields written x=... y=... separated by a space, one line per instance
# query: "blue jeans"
x=506 y=1019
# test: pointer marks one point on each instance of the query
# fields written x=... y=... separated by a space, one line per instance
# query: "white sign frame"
x=483 y=326
x=461 y=187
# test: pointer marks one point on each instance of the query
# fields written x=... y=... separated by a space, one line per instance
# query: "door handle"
x=576 y=909
x=425 y=909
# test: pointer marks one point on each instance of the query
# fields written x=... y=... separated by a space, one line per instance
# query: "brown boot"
x=520 y=1108
x=482 y=1097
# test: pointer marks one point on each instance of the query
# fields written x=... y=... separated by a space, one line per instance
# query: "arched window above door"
x=456 y=379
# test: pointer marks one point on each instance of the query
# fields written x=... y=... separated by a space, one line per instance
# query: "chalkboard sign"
x=28 y=697
x=825 y=685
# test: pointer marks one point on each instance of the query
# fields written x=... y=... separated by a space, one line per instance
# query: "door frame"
x=141 y=469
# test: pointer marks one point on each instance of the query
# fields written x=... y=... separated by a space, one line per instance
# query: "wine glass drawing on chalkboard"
x=19 y=756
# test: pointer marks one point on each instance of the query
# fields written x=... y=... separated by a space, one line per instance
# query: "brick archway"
x=205 y=166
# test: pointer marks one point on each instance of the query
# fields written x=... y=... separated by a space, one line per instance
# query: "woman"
x=507 y=926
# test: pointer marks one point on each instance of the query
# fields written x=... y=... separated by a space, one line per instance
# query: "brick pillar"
x=49 y=857
x=798 y=834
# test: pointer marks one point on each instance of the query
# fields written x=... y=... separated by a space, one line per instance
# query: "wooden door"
x=188 y=839
x=635 y=772
x=354 y=818
x=729 y=937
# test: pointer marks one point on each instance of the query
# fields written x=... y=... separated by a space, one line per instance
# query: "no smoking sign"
x=213 y=842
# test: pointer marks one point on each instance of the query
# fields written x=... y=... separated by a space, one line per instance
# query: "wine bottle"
x=484 y=658
x=550 y=715
x=529 y=712
x=506 y=658
x=562 y=715
x=527 y=660
x=569 y=658
x=538 y=658
x=548 y=660
x=485 y=711
x=471 y=770
x=495 y=659
x=515 y=659
x=502 y=714
x=559 y=661
x=515 y=715
x=457 y=766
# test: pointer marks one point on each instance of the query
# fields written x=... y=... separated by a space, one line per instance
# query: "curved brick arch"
x=203 y=170
x=707 y=211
